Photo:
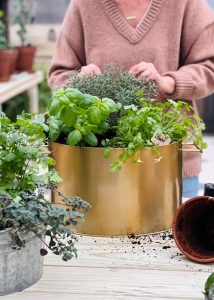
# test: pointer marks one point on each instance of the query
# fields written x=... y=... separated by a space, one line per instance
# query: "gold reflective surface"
x=141 y=198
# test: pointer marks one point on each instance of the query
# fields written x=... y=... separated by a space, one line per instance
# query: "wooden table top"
x=147 y=267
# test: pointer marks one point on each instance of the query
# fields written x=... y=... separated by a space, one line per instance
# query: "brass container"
x=141 y=198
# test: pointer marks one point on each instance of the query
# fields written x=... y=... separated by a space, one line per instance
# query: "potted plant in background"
x=26 y=52
x=86 y=125
x=7 y=56
x=28 y=221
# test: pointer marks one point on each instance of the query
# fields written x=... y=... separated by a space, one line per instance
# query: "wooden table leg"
x=33 y=94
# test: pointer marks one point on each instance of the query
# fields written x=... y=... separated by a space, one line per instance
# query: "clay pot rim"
x=174 y=231
x=26 y=47
x=8 y=50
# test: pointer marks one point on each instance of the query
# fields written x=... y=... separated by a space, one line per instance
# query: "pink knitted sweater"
x=176 y=36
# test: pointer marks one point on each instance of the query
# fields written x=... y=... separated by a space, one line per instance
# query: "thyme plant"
x=114 y=83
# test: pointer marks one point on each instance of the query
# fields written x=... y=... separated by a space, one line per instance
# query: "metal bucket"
x=141 y=198
x=19 y=269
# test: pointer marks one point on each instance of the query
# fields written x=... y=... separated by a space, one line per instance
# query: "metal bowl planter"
x=141 y=198
x=19 y=269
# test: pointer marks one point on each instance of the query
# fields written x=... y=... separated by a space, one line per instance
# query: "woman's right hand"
x=90 y=70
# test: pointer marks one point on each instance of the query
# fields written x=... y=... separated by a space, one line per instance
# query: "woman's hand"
x=90 y=70
x=166 y=84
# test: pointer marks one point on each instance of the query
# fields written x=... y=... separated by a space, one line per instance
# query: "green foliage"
x=16 y=106
x=3 y=40
x=20 y=153
x=23 y=206
x=154 y=124
x=31 y=212
x=44 y=95
x=116 y=84
x=142 y=123
x=209 y=283
x=22 y=19
x=80 y=117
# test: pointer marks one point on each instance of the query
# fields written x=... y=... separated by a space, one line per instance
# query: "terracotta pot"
x=193 y=229
x=14 y=61
x=5 y=64
x=25 y=59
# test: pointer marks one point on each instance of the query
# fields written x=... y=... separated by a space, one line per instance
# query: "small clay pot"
x=193 y=229
x=5 y=64
x=25 y=59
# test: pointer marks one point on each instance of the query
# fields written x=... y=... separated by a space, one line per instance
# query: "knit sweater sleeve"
x=69 y=50
x=195 y=77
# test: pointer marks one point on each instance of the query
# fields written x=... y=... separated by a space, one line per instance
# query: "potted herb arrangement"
x=29 y=223
x=7 y=56
x=26 y=52
x=121 y=150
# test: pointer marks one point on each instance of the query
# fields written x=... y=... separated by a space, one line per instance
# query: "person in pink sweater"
x=169 y=41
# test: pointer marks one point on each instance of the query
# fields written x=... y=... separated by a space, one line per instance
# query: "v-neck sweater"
x=176 y=36
x=133 y=11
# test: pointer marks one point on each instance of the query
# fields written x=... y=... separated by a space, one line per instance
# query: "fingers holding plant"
x=90 y=69
x=165 y=84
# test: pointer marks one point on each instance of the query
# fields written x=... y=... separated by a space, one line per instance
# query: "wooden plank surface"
x=147 y=267
x=18 y=84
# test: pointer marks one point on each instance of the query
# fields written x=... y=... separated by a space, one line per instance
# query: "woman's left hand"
x=166 y=84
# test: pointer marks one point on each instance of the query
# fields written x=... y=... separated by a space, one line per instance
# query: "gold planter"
x=141 y=198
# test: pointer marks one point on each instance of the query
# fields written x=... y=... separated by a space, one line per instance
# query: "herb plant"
x=22 y=19
x=152 y=125
x=80 y=117
x=23 y=204
x=85 y=120
x=3 y=40
x=114 y=83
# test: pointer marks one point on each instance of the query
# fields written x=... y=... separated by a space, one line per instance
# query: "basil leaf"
x=91 y=139
x=54 y=107
x=94 y=115
x=68 y=116
x=54 y=129
x=74 y=137
x=86 y=102
x=64 y=100
x=105 y=110
x=74 y=94
x=111 y=104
